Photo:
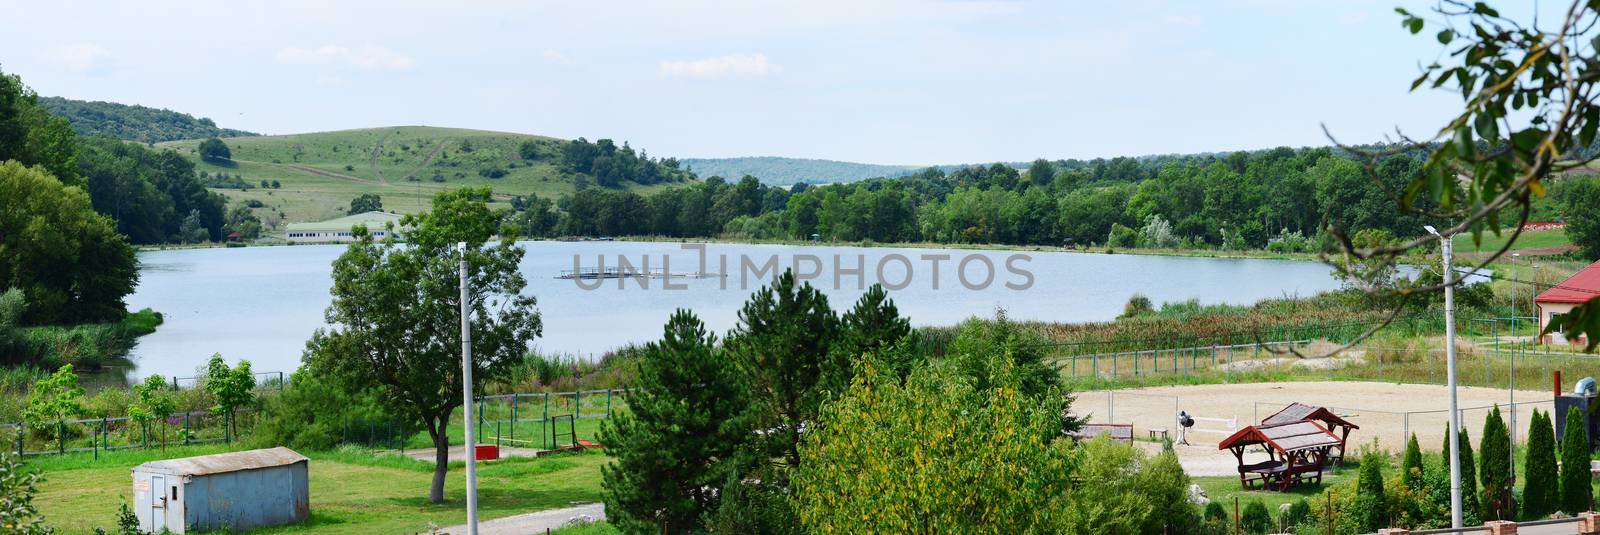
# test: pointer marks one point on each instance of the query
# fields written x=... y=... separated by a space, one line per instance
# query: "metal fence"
x=538 y=420
x=107 y=434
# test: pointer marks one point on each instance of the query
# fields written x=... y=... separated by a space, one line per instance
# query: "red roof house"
x=1561 y=298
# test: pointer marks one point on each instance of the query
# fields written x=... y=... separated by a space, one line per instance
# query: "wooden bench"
x=1123 y=432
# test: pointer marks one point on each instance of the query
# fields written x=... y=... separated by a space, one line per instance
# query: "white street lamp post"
x=1450 y=357
x=466 y=398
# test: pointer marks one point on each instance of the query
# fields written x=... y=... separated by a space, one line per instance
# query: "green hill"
x=134 y=123
x=319 y=173
x=782 y=171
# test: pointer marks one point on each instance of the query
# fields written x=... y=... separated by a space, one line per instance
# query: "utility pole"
x=466 y=398
x=1450 y=359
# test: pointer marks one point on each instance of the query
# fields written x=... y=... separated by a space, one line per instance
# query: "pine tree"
x=1575 y=483
x=780 y=348
x=1540 y=486
x=874 y=323
x=1495 y=473
x=684 y=421
x=1412 y=465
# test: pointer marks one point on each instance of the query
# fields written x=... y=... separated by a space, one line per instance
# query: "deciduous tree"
x=395 y=314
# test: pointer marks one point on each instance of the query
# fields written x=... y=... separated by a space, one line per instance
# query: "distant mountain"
x=780 y=171
x=134 y=123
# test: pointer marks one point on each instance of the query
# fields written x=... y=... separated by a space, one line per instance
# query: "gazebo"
x=1296 y=452
x=1300 y=412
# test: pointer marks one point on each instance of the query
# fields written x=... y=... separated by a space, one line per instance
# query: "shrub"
x=1371 y=505
x=1494 y=473
x=1167 y=488
x=1411 y=466
x=1256 y=519
x=1540 y=488
x=1137 y=305
x=17 y=489
x=1216 y=520
x=1470 y=509
x=1575 y=478
x=1298 y=513
x=317 y=414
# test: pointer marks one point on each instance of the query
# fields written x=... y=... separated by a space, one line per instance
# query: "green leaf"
x=1484 y=9
x=1415 y=25
x=1445 y=36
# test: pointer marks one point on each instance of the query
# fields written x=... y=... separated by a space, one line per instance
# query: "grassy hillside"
x=321 y=172
x=782 y=171
x=134 y=123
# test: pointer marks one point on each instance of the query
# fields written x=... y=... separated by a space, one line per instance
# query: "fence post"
x=61 y=436
x=186 y=428
x=513 y=416
x=227 y=427
x=608 y=395
x=577 y=404
x=22 y=429
x=544 y=423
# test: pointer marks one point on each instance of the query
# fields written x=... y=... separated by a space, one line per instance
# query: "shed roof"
x=224 y=462
x=373 y=220
x=1302 y=435
x=1299 y=412
x=1579 y=288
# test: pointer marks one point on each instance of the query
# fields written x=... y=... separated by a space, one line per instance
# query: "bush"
x=1540 y=488
x=1411 y=466
x=1494 y=473
x=1216 y=520
x=1256 y=519
x=1371 y=505
x=1137 y=305
x=317 y=414
x=1575 y=478
x=17 y=489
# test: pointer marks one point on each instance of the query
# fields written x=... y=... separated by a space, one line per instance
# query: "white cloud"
x=553 y=55
x=371 y=58
x=81 y=57
x=729 y=65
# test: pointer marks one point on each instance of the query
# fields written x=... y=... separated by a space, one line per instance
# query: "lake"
x=263 y=303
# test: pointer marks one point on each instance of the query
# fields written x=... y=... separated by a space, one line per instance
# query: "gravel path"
x=533 y=523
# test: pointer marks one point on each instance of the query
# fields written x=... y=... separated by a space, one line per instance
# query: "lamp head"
x=1432 y=230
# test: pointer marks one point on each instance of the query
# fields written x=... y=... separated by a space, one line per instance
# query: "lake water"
x=262 y=303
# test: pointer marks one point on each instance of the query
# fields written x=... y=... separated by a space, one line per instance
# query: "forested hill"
x=775 y=170
x=134 y=123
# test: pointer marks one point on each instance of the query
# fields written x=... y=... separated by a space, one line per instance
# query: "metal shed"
x=235 y=491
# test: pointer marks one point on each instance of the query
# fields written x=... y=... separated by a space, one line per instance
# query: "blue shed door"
x=158 y=503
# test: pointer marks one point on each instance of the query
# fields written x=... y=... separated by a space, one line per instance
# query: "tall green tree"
x=1541 y=490
x=871 y=326
x=1579 y=199
x=1494 y=472
x=396 y=322
x=69 y=260
x=781 y=348
x=1371 y=507
x=214 y=150
x=30 y=135
x=366 y=202
x=1576 y=486
x=151 y=403
x=683 y=422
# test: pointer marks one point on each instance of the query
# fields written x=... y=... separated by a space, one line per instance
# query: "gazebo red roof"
x=1297 y=412
x=1579 y=288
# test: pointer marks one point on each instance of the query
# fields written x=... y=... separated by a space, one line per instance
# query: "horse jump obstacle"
x=1226 y=426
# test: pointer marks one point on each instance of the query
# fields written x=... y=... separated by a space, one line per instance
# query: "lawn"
x=321 y=172
x=352 y=491
x=1223 y=489
x=1533 y=239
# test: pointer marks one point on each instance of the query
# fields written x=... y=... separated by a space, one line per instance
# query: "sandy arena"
x=1386 y=412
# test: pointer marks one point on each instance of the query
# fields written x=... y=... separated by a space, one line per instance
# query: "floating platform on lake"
x=619 y=273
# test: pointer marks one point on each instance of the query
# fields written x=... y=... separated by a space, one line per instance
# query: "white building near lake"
x=339 y=230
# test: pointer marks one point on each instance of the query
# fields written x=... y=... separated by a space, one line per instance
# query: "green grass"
x=1223 y=489
x=352 y=491
x=1533 y=239
x=321 y=172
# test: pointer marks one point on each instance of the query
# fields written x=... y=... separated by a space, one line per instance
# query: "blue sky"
x=894 y=81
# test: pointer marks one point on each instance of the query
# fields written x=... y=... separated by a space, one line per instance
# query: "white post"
x=1450 y=371
x=466 y=398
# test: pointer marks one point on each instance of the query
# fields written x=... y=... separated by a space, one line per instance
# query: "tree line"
x=1292 y=197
